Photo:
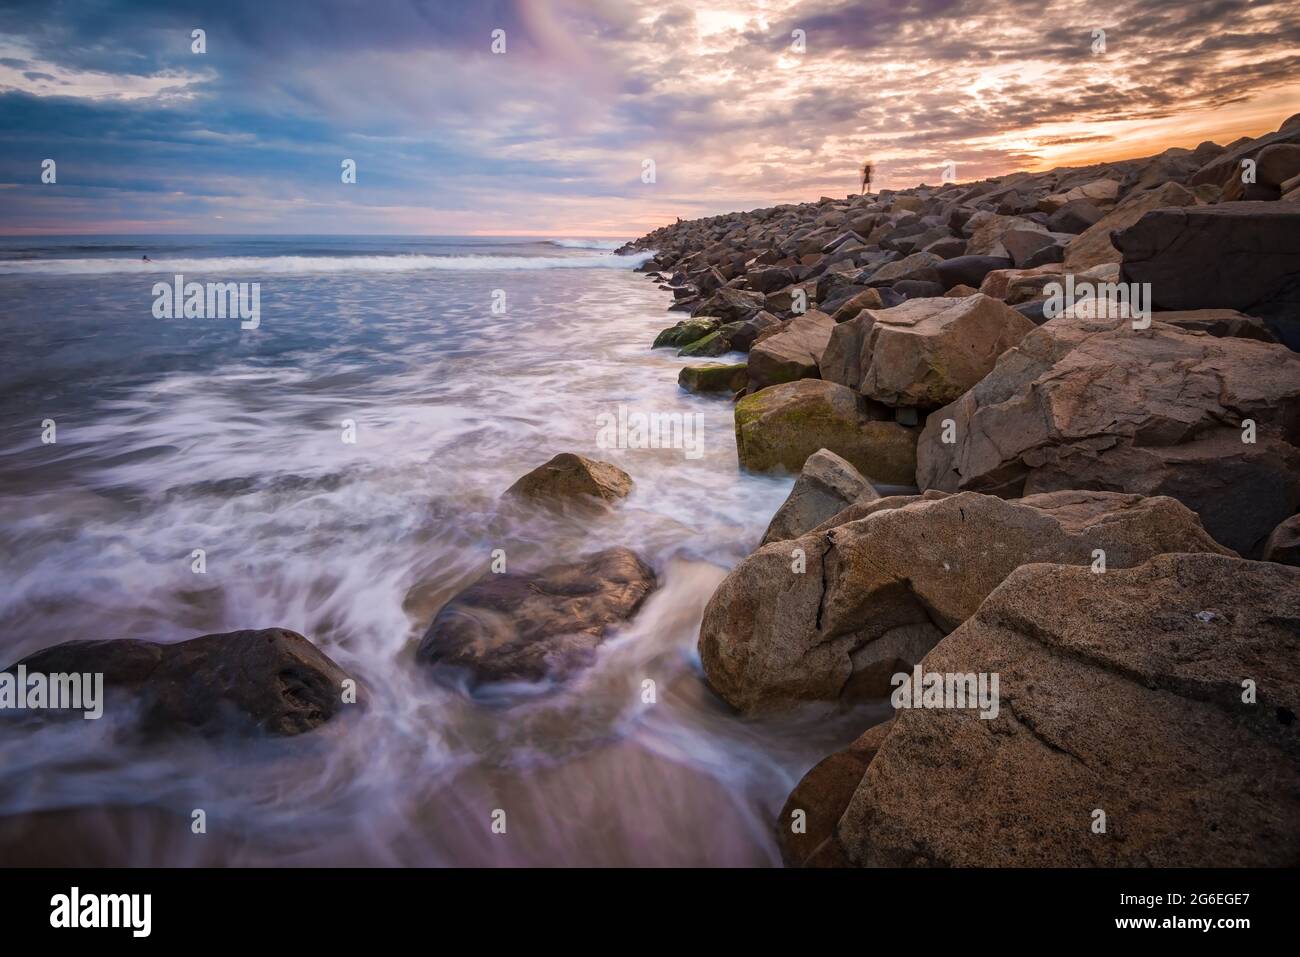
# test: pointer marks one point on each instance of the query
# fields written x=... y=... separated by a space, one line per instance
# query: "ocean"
x=339 y=466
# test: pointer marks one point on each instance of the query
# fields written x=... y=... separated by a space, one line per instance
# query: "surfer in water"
x=145 y=259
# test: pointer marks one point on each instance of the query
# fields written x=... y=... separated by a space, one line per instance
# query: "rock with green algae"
x=714 y=377
x=686 y=332
x=779 y=427
x=714 y=344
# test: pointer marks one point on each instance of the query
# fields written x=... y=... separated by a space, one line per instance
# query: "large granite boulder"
x=572 y=479
x=832 y=615
x=1096 y=404
x=780 y=426
x=826 y=486
x=1243 y=256
x=1093 y=246
x=539 y=626
x=793 y=352
x=924 y=353
x=733 y=305
x=270 y=681
x=1123 y=695
x=969 y=270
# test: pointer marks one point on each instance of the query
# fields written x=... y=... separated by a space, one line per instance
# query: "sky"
x=738 y=105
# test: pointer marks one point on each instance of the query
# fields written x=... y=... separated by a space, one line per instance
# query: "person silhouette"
x=145 y=259
x=866 y=177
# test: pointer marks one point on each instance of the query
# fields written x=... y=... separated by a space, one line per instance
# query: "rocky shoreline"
x=1089 y=377
x=1045 y=430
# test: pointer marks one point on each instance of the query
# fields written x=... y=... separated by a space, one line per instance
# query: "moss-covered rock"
x=779 y=427
x=686 y=332
x=714 y=344
x=714 y=377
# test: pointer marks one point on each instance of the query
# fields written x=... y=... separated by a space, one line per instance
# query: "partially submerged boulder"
x=825 y=487
x=780 y=426
x=532 y=627
x=832 y=615
x=572 y=479
x=270 y=681
x=714 y=377
x=1097 y=404
x=924 y=353
x=1119 y=693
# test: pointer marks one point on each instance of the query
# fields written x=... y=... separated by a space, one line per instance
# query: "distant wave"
x=300 y=265
x=585 y=243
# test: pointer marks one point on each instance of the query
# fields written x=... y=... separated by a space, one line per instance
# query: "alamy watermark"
x=651 y=430
x=947 y=690
x=1099 y=300
x=21 y=690
x=213 y=300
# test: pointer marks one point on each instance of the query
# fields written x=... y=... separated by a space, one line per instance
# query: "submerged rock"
x=1120 y=693
x=573 y=479
x=714 y=377
x=270 y=681
x=531 y=627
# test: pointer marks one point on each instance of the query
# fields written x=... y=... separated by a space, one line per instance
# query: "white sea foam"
x=307 y=265
x=586 y=243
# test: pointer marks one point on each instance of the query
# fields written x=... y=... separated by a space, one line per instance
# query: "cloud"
x=551 y=135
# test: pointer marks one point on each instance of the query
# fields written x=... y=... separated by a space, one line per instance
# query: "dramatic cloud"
x=549 y=138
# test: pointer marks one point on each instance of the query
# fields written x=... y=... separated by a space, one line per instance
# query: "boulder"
x=769 y=278
x=571 y=479
x=822 y=797
x=1119 y=692
x=733 y=305
x=1093 y=246
x=714 y=377
x=741 y=336
x=1243 y=256
x=1074 y=217
x=969 y=270
x=791 y=353
x=916 y=266
x=924 y=353
x=1283 y=545
x=989 y=229
x=826 y=486
x=780 y=426
x=1096 y=404
x=269 y=681
x=866 y=299
x=998 y=282
x=686 y=332
x=1218 y=323
x=879 y=592
x=534 y=627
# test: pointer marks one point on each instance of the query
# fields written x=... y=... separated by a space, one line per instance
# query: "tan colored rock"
x=961 y=291
x=877 y=593
x=998 y=282
x=573 y=479
x=536 y=626
x=822 y=797
x=1093 y=247
x=826 y=485
x=925 y=352
x=792 y=352
x=779 y=427
x=867 y=299
x=987 y=230
x=1120 y=692
x=1097 y=404
x=1099 y=192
